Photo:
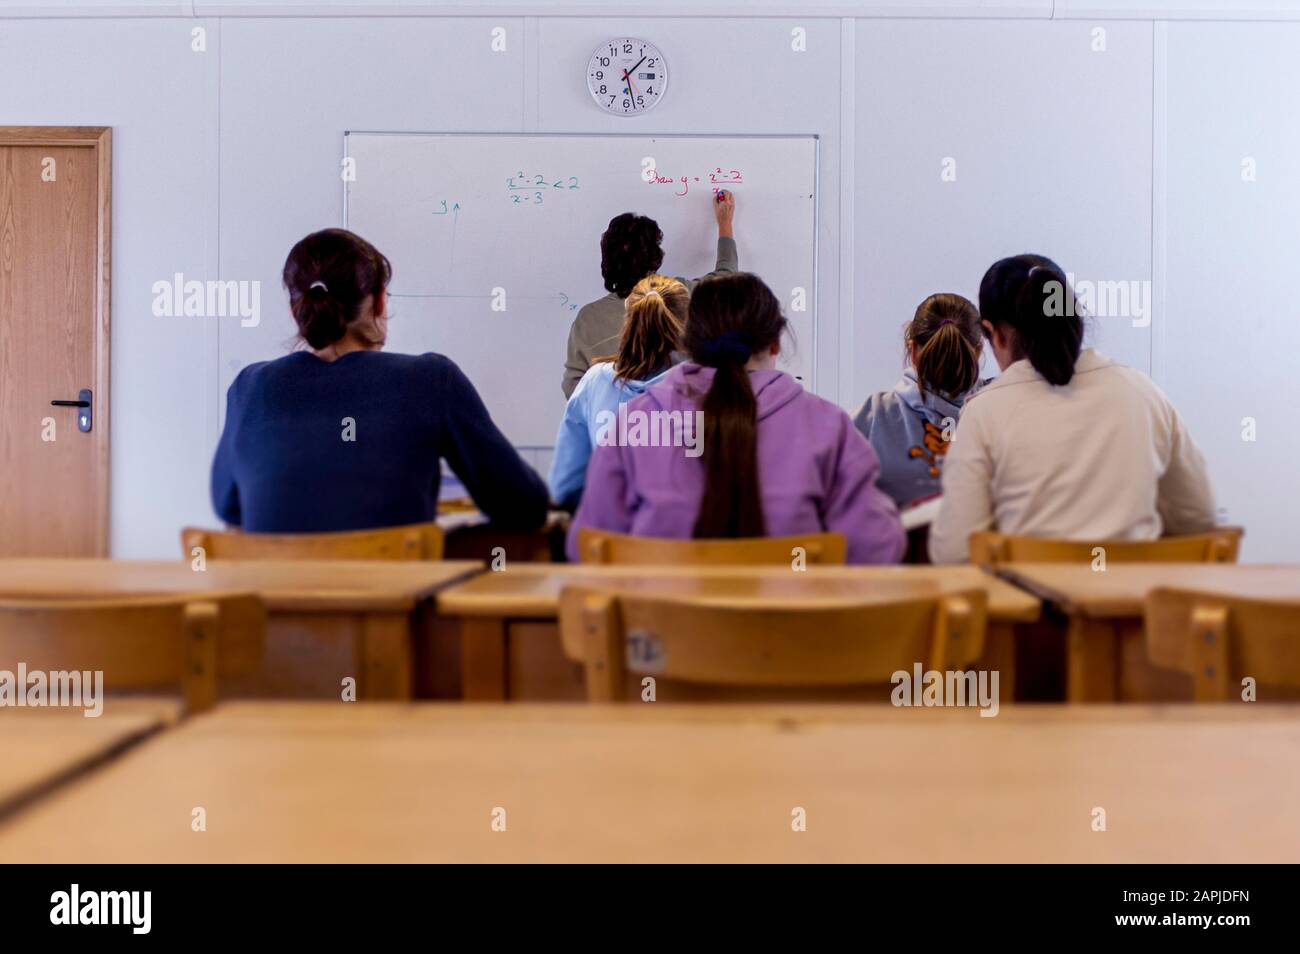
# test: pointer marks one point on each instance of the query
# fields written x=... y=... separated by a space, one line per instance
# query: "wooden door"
x=54 y=321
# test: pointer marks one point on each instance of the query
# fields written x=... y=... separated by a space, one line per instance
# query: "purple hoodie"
x=816 y=471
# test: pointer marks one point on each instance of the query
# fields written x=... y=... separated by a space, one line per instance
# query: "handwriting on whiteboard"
x=534 y=188
x=717 y=180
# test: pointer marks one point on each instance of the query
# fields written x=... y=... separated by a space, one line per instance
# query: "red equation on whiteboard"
x=717 y=180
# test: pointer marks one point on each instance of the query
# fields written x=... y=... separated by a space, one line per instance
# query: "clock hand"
x=627 y=76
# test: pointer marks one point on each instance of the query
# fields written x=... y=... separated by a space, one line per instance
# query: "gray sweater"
x=596 y=330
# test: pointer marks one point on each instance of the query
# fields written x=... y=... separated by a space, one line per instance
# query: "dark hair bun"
x=329 y=275
x=321 y=321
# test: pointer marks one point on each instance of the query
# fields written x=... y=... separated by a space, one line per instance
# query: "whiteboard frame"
x=814 y=366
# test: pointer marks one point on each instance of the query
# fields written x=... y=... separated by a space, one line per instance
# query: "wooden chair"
x=1217 y=640
x=139 y=643
x=598 y=546
x=416 y=541
x=841 y=644
x=1217 y=546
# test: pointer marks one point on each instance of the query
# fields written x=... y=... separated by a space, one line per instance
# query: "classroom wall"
x=951 y=133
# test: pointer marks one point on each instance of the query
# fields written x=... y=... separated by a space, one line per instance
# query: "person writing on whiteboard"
x=344 y=436
x=631 y=249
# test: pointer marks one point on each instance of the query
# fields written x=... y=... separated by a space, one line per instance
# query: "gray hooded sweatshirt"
x=910 y=435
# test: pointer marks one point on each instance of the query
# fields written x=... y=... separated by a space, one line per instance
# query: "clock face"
x=627 y=77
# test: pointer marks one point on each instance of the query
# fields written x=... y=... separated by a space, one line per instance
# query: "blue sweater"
x=313 y=446
x=599 y=392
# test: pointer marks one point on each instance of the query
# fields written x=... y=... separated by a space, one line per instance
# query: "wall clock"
x=627 y=76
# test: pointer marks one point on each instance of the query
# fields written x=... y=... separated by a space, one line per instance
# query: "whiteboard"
x=495 y=241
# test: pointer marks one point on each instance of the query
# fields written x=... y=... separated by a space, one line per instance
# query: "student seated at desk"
x=631 y=249
x=773 y=459
x=656 y=311
x=1067 y=443
x=342 y=436
x=911 y=427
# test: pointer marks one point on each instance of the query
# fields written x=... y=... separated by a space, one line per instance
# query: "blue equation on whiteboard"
x=535 y=188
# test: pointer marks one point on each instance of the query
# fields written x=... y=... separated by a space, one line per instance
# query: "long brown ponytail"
x=652 y=331
x=945 y=337
x=731 y=318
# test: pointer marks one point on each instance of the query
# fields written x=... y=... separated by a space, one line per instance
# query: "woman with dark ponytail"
x=342 y=436
x=1066 y=443
x=759 y=456
x=911 y=427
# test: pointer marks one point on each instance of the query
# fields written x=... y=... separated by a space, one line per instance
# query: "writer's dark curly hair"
x=629 y=251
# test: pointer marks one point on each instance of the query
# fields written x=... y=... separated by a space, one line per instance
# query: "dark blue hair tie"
x=730 y=347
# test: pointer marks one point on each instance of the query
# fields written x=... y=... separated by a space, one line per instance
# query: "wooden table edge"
x=458 y=604
x=13 y=806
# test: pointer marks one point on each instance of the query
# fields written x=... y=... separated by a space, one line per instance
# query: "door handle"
x=85 y=414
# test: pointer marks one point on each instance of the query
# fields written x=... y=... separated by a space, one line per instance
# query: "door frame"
x=100 y=140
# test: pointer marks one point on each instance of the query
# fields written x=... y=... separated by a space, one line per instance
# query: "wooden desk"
x=327 y=619
x=658 y=783
x=44 y=748
x=510 y=643
x=1103 y=615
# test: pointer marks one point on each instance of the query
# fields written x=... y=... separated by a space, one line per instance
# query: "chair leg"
x=199 y=677
x=1210 y=652
x=606 y=667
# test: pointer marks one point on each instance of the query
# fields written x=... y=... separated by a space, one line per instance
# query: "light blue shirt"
x=597 y=392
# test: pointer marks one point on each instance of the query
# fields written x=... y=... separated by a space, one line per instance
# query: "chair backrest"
x=1217 y=546
x=143 y=643
x=598 y=546
x=417 y=541
x=1218 y=640
x=835 y=644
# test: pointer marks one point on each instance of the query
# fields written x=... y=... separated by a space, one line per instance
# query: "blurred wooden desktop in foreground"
x=332 y=782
